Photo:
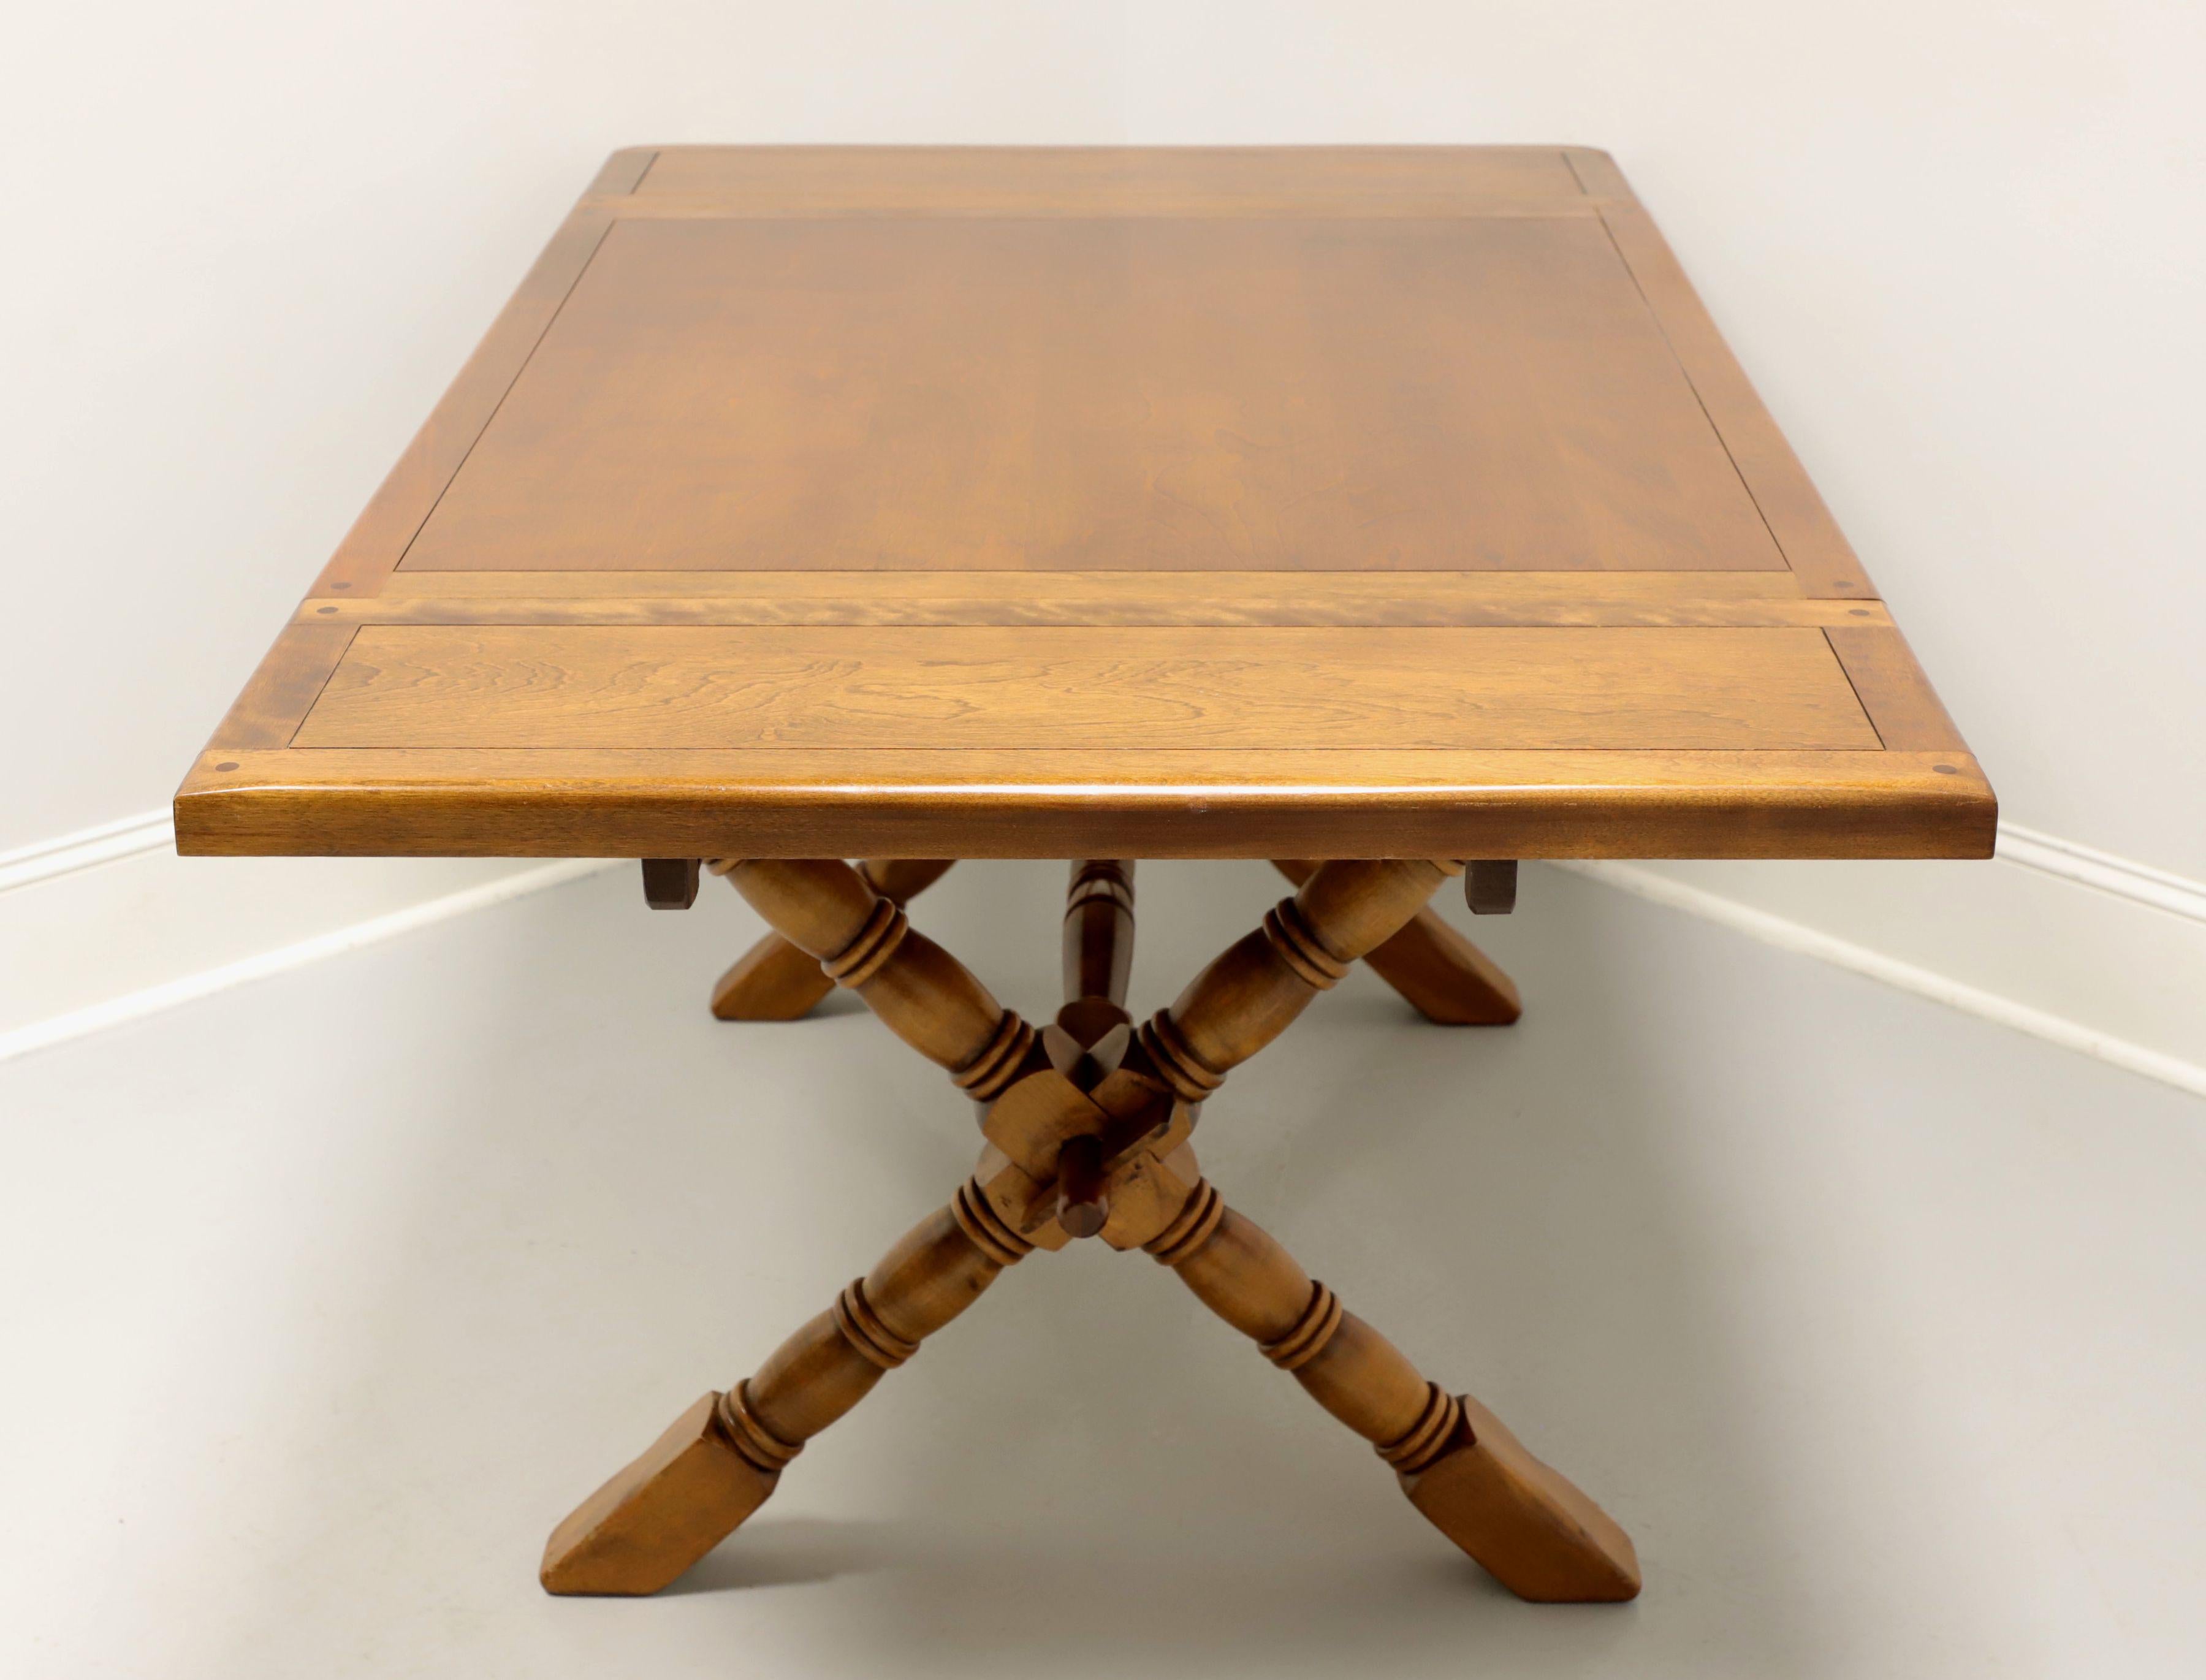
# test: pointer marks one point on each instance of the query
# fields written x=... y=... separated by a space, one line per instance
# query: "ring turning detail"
x=1086 y=1125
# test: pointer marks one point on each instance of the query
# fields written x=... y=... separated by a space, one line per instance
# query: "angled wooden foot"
x=1087 y=1125
x=720 y=1460
x=1530 y=1527
x=688 y=1492
x=773 y=981
x=1445 y=978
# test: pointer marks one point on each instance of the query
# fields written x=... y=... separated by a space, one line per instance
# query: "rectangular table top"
x=948 y=502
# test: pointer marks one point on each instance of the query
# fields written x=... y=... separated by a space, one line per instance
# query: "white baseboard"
x=109 y=924
x=2092 y=952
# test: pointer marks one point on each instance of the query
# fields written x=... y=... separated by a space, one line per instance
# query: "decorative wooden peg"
x=1083 y=1202
x=1489 y=887
x=669 y=883
x=1099 y=930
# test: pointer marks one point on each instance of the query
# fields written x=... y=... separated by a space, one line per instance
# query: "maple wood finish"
x=720 y=1460
x=974 y=503
x=1445 y=978
x=775 y=981
x=1396 y=507
x=1534 y=1531
x=1099 y=932
x=1087 y=1128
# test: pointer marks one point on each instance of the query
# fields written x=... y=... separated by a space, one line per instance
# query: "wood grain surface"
x=1018 y=394
x=1093 y=181
x=1252 y=502
x=831 y=691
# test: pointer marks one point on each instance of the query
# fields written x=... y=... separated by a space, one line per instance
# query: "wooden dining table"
x=816 y=516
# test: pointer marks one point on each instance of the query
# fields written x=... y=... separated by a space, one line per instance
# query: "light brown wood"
x=721 y=1459
x=1345 y=207
x=773 y=981
x=379 y=536
x=1085 y=1045
x=825 y=692
x=688 y=1492
x=1026 y=181
x=950 y=600
x=1080 y=373
x=863 y=940
x=623 y=170
x=1385 y=505
x=266 y=715
x=1083 y=1190
x=549 y=801
x=1253 y=501
x=1894 y=691
x=1650 y=598
x=1088 y=1135
x=1445 y=978
x=1099 y=930
x=901 y=879
x=1251 y=993
x=1802 y=525
x=1524 y=1522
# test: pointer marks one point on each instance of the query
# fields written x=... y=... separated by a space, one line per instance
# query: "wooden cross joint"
x=1117 y=1133
x=1087 y=1126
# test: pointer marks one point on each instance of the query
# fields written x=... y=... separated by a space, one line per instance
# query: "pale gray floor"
x=1880 y=1327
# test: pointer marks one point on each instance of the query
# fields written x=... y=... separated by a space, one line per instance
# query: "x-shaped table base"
x=1088 y=1124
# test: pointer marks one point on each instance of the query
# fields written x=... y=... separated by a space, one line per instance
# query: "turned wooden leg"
x=1532 y=1530
x=1087 y=1125
x=1252 y=992
x=1099 y=930
x=773 y=981
x=921 y=994
x=1445 y=978
x=720 y=1460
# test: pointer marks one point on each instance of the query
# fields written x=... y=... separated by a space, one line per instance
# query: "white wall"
x=1957 y=246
